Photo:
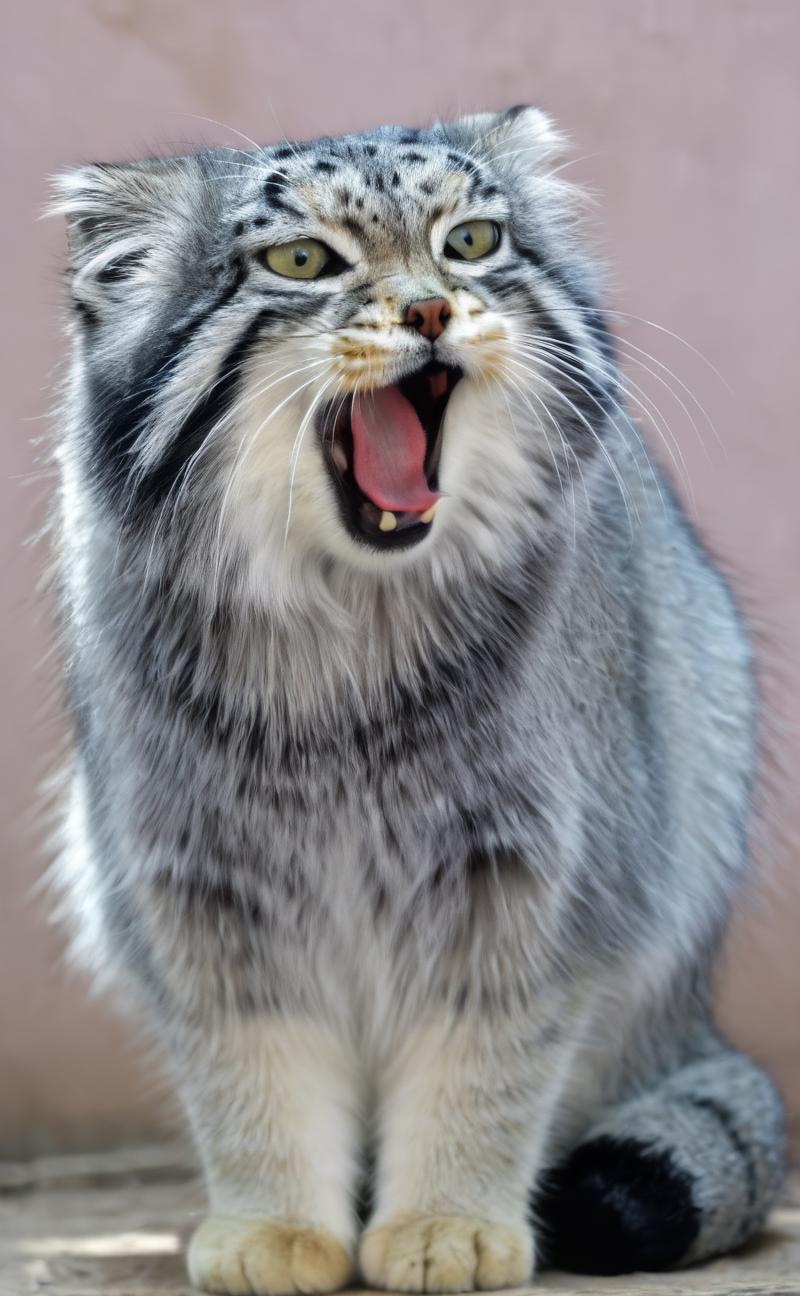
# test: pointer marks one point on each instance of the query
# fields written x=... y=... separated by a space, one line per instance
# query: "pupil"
x=300 y=257
x=468 y=239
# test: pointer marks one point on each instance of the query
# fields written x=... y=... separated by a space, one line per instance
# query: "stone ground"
x=116 y=1224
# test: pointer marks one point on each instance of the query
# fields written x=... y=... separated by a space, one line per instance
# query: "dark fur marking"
x=532 y=255
x=379 y=185
x=327 y=168
x=426 y=187
x=156 y=485
x=275 y=187
x=116 y=417
x=395 y=180
x=617 y=1206
x=238 y=228
x=579 y=299
x=86 y=314
x=212 y=897
x=182 y=333
x=579 y=384
x=414 y=157
x=601 y=336
x=483 y=863
x=120 y=269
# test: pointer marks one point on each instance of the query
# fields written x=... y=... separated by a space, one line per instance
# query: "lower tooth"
x=388 y=521
x=427 y=516
x=339 y=457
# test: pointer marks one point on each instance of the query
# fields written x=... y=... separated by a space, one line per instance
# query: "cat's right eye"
x=303 y=258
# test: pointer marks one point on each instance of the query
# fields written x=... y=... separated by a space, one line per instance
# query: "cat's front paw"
x=445 y=1253
x=265 y=1258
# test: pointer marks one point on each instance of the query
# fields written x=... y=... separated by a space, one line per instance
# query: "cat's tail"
x=686 y=1170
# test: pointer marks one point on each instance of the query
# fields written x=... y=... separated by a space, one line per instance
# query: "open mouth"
x=382 y=448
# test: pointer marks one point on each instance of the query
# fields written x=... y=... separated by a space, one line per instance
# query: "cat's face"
x=366 y=348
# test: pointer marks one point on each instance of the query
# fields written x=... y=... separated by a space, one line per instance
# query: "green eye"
x=472 y=240
x=303 y=258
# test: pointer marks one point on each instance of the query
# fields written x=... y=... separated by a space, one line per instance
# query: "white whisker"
x=241 y=456
x=568 y=369
x=592 y=432
x=298 y=441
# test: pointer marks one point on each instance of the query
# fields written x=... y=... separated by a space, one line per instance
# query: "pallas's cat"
x=414 y=729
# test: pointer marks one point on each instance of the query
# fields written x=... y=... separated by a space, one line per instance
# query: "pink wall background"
x=684 y=117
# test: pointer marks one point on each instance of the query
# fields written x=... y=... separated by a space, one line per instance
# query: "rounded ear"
x=522 y=136
x=120 y=218
x=113 y=206
x=105 y=208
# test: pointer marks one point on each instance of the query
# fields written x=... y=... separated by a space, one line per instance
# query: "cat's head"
x=375 y=349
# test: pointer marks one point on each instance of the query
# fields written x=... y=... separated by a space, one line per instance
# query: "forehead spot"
x=326 y=167
x=413 y=157
x=283 y=153
x=371 y=150
x=395 y=180
x=275 y=187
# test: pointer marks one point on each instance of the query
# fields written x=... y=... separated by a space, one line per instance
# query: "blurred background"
x=683 y=117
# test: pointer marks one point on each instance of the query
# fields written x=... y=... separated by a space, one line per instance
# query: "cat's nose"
x=428 y=316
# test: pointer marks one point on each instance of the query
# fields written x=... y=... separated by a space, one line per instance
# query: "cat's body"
x=432 y=847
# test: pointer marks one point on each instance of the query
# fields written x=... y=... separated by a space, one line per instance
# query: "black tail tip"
x=615 y=1207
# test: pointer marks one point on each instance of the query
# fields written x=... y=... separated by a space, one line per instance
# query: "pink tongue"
x=389 y=449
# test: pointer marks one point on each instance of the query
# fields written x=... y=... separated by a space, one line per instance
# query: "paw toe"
x=265 y=1258
x=446 y=1253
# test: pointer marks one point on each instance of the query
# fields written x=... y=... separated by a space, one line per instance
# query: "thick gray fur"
x=443 y=842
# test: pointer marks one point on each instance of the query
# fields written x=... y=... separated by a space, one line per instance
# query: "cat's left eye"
x=472 y=240
x=303 y=258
